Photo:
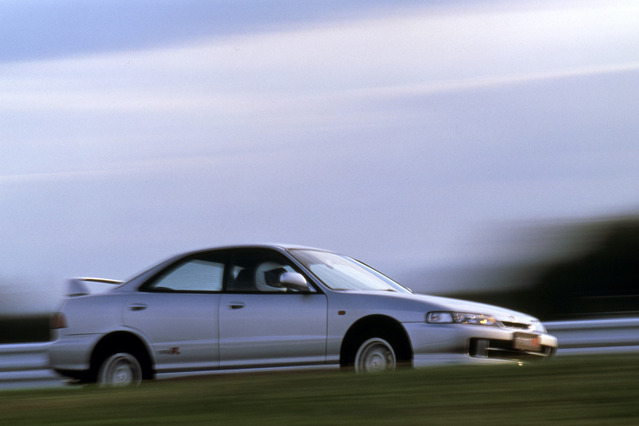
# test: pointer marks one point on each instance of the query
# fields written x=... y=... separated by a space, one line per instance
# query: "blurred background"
x=486 y=150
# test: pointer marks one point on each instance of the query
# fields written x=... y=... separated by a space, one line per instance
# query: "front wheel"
x=120 y=370
x=374 y=355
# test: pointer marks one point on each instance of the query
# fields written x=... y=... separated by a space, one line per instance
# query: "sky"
x=409 y=134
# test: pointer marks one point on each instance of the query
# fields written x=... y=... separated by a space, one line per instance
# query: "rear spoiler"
x=77 y=286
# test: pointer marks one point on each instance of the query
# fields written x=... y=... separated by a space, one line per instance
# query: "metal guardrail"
x=23 y=357
x=584 y=337
x=26 y=365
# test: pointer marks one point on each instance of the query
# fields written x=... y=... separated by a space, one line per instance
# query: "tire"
x=120 y=370
x=375 y=355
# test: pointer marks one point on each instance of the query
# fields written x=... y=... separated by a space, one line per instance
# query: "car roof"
x=272 y=246
x=280 y=246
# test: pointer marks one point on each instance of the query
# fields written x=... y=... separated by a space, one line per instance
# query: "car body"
x=272 y=306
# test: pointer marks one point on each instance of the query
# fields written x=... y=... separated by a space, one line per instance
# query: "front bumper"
x=460 y=343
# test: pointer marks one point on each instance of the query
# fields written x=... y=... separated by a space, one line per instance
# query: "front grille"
x=517 y=325
x=503 y=349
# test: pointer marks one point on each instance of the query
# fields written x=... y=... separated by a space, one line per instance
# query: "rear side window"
x=195 y=275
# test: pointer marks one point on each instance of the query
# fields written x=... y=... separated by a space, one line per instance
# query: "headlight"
x=460 y=318
x=538 y=327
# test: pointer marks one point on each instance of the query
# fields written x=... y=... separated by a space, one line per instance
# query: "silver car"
x=273 y=306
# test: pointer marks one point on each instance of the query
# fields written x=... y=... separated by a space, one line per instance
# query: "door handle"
x=236 y=305
x=138 y=307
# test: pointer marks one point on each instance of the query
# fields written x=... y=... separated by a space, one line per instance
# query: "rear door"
x=177 y=312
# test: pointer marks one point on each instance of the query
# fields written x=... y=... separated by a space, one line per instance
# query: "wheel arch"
x=122 y=341
x=382 y=326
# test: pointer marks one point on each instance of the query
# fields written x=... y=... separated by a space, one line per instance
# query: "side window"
x=257 y=271
x=195 y=275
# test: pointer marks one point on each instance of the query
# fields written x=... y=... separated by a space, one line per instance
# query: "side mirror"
x=295 y=281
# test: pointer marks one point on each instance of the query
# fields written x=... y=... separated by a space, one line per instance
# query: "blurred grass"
x=24 y=329
x=572 y=391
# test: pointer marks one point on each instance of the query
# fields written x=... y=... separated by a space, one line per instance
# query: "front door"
x=263 y=325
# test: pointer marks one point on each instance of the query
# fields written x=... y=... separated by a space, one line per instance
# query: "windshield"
x=339 y=272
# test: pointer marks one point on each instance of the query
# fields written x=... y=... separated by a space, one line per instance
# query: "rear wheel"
x=119 y=370
x=373 y=355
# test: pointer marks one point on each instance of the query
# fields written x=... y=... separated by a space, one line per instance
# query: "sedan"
x=268 y=306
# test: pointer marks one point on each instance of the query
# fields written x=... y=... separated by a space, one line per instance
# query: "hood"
x=459 y=305
x=427 y=303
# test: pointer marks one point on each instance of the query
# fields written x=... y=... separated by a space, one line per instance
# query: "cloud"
x=383 y=135
x=475 y=46
x=37 y=29
x=438 y=87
